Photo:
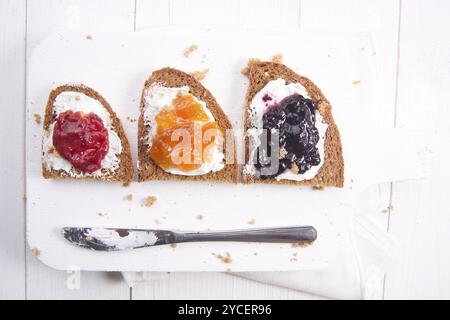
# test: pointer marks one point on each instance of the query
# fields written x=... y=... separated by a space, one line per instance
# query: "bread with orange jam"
x=173 y=101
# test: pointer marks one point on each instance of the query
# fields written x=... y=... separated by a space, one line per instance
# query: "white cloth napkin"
x=366 y=248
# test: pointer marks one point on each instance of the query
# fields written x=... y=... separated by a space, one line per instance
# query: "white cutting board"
x=117 y=65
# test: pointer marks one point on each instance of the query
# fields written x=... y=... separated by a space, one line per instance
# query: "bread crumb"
x=225 y=258
x=294 y=259
x=302 y=244
x=149 y=201
x=355 y=82
x=173 y=245
x=132 y=120
x=282 y=153
x=189 y=50
x=88 y=37
x=199 y=217
x=129 y=197
x=37 y=252
x=157 y=221
x=253 y=221
x=318 y=188
x=77 y=98
x=294 y=168
x=228 y=270
x=244 y=71
x=37 y=118
x=126 y=184
x=278 y=58
x=102 y=214
x=88 y=238
x=199 y=75
x=389 y=208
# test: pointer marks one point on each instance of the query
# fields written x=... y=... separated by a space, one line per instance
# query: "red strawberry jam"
x=81 y=139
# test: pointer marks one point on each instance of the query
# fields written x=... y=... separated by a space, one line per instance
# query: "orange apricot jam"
x=183 y=137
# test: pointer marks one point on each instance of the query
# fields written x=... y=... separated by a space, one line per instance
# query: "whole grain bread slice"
x=173 y=78
x=331 y=173
x=124 y=173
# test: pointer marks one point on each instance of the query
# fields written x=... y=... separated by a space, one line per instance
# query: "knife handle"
x=280 y=235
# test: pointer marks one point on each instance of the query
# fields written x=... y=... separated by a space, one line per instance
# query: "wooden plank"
x=212 y=285
x=90 y=16
x=187 y=285
x=46 y=283
x=203 y=13
x=223 y=14
x=178 y=285
x=49 y=16
x=249 y=289
x=420 y=217
x=269 y=13
x=152 y=13
x=379 y=19
x=234 y=13
x=12 y=101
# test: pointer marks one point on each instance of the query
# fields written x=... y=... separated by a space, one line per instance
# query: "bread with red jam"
x=168 y=92
x=83 y=138
x=308 y=147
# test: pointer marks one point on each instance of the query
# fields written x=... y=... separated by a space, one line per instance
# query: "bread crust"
x=124 y=173
x=331 y=173
x=173 y=78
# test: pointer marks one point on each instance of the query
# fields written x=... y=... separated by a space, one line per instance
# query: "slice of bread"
x=124 y=171
x=172 y=78
x=332 y=171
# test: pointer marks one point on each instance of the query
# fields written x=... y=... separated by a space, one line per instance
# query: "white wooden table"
x=413 y=54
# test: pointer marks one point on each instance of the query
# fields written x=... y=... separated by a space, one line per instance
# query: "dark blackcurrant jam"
x=294 y=117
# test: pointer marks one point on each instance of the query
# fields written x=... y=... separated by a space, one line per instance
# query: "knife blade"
x=116 y=239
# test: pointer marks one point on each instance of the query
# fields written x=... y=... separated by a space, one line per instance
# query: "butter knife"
x=113 y=239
